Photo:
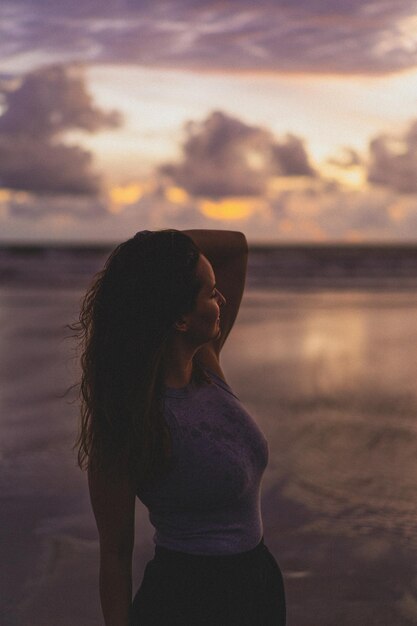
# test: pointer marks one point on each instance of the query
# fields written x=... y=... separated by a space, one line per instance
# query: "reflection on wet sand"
x=329 y=377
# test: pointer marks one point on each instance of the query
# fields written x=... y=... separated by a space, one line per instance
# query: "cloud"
x=393 y=161
x=46 y=209
x=223 y=156
x=38 y=112
x=50 y=101
x=291 y=158
x=341 y=215
x=348 y=158
x=364 y=213
x=326 y=36
x=38 y=166
x=317 y=212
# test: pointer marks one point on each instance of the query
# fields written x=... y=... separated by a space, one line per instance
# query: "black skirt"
x=244 y=589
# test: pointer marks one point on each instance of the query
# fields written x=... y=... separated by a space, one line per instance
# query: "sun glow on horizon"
x=176 y=195
x=233 y=208
x=124 y=195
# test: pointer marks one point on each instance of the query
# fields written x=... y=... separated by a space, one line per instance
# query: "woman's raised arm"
x=227 y=251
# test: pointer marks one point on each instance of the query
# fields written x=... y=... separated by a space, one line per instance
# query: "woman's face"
x=204 y=319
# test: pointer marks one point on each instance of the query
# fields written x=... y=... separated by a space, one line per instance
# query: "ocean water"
x=324 y=356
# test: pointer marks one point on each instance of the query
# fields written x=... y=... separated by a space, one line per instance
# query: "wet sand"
x=329 y=378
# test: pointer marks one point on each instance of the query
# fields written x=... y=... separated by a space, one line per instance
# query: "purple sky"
x=289 y=121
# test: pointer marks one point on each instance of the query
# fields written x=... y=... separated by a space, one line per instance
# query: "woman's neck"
x=178 y=365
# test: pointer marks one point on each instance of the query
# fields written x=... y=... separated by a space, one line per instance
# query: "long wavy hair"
x=125 y=322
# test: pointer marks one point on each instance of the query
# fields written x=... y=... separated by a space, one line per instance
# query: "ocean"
x=323 y=355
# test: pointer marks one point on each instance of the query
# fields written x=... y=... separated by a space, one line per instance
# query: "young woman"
x=160 y=422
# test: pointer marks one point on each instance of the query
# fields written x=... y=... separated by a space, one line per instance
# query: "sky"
x=289 y=121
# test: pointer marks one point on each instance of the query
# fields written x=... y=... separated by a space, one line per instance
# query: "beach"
x=328 y=374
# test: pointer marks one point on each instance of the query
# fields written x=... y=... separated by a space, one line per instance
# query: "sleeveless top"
x=209 y=500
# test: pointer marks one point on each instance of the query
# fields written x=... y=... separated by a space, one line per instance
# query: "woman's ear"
x=181 y=325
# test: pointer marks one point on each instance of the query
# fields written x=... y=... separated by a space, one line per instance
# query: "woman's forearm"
x=115 y=589
x=219 y=245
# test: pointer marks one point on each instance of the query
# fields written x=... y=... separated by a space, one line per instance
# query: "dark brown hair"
x=125 y=320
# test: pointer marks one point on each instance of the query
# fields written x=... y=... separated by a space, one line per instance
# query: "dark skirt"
x=244 y=589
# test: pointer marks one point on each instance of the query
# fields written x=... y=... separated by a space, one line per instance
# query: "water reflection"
x=333 y=347
x=330 y=377
x=332 y=380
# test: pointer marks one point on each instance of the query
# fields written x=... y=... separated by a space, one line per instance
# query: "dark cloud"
x=223 y=156
x=51 y=101
x=38 y=111
x=393 y=161
x=291 y=158
x=350 y=37
x=41 y=167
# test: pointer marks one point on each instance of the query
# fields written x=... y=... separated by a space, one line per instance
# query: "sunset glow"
x=228 y=209
x=126 y=195
x=230 y=121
